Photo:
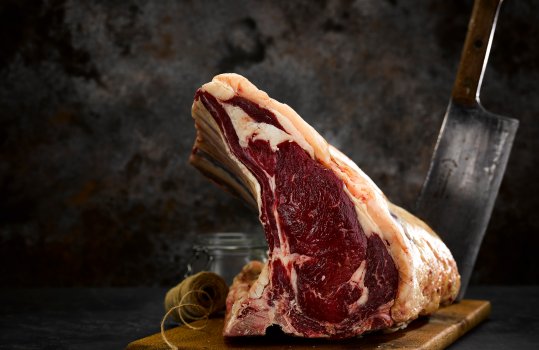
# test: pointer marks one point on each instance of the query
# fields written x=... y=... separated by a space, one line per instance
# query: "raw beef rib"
x=342 y=260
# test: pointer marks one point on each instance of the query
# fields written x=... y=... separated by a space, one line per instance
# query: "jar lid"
x=230 y=241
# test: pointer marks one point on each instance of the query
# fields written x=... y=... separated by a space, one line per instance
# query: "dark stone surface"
x=95 y=126
x=110 y=318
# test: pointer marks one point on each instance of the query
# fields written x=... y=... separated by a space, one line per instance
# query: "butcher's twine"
x=195 y=298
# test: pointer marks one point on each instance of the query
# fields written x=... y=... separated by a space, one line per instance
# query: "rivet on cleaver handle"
x=470 y=155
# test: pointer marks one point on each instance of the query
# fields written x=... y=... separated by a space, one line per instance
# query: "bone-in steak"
x=342 y=260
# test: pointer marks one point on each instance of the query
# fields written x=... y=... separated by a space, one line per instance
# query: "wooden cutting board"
x=435 y=332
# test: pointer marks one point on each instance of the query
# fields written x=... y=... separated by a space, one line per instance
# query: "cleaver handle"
x=473 y=60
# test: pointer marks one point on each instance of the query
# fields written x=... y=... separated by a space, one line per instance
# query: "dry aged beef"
x=342 y=260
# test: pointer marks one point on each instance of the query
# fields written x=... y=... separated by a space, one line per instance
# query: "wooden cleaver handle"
x=475 y=52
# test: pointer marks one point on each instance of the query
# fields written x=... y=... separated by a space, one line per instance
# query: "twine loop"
x=194 y=299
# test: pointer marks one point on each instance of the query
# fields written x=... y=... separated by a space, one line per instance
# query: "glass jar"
x=225 y=253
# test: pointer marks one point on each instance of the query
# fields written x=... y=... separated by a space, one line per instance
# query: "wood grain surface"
x=435 y=332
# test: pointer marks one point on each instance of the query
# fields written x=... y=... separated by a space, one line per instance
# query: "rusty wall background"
x=95 y=126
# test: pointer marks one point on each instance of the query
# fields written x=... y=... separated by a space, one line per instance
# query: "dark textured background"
x=95 y=126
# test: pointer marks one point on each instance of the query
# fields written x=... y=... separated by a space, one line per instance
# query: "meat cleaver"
x=471 y=152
